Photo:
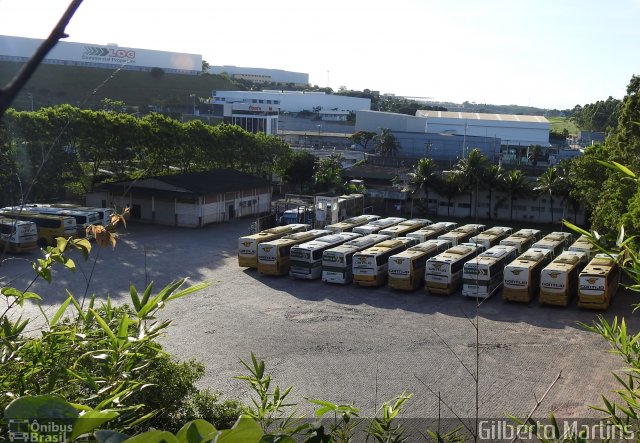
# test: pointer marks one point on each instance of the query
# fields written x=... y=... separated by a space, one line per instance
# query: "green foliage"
x=600 y=116
x=469 y=172
x=362 y=138
x=327 y=174
x=386 y=143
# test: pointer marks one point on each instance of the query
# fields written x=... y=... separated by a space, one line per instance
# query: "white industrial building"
x=293 y=101
x=110 y=56
x=262 y=75
x=511 y=130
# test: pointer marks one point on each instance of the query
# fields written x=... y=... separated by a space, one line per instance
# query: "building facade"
x=262 y=75
x=110 y=56
x=188 y=200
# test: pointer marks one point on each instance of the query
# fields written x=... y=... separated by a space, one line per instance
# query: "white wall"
x=294 y=101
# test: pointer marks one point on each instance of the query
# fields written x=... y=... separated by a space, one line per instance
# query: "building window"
x=276 y=102
x=464 y=205
x=268 y=102
x=260 y=101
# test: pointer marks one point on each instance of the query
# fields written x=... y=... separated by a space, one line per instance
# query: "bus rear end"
x=598 y=283
x=559 y=280
x=18 y=235
x=365 y=269
x=248 y=252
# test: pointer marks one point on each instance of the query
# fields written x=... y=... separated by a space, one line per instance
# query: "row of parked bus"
x=442 y=257
x=28 y=227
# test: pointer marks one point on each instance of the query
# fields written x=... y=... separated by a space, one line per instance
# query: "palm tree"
x=447 y=186
x=470 y=171
x=492 y=179
x=386 y=143
x=550 y=182
x=422 y=178
x=515 y=185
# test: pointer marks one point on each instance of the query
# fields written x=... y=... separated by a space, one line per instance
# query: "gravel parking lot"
x=350 y=344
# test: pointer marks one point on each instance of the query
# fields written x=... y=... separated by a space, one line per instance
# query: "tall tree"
x=448 y=186
x=386 y=143
x=515 y=185
x=550 y=182
x=362 y=138
x=492 y=179
x=470 y=171
x=328 y=173
x=422 y=178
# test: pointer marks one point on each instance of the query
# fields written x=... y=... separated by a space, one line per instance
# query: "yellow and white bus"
x=556 y=242
x=522 y=239
x=405 y=227
x=17 y=235
x=559 y=279
x=248 y=244
x=583 y=244
x=598 y=282
x=337 y=262
x=491 y=237
x=49 y=226
x=462 y=233
x=406 y=269
x=483 y=275
x=443 y=273
x=376 y=226
x=306 y=258
x=522 y=276
x=104 y=214
x=274 y=256
x=431 y=232
x=83 y=218
x=370 y=267
x=348 y=224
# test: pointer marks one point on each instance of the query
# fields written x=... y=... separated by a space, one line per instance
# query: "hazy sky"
x=545 y=53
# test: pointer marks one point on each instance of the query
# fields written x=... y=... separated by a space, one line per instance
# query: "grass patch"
x=559 y=124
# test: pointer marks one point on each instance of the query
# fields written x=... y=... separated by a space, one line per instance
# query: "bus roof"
x=24 y=213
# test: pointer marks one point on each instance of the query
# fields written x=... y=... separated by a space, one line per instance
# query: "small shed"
x=190 y=199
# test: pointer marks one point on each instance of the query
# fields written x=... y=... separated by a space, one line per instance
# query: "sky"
x=551 y=54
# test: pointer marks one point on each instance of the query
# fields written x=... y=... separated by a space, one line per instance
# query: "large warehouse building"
x=447 y=136
x=292 y=101
x=110 y=56
x=263 y=75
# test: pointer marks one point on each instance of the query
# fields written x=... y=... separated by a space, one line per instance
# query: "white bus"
x=432 y=231
x=522 y=239
x=491 y=237
x=306 y=258
x=559 y=279
x=273 y=256
x=83 y=218
x=443 y=273
x=370 y=267
x=337 y=262
x=377 y=225
x=348 y=224
x=17 y=235
x=583 y=244
x=483 y=275
x=248 y=244
x=598 y=282
x=556 y=242
x=405 y=227
x=406 y=269
x=522 y=276
x=462 y=234
x=105 y=214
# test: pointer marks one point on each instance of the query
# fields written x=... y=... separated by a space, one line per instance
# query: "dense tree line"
x=601 y=116
x=55 y=151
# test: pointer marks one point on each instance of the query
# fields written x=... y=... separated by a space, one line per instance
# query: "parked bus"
x=559 y=279
x=522 y=276
x=483 y=275
x=377 y=225
x=491 y=237
x=104 y=214
x=306 y=258
x=49 y=226
x=406 y=269
x=443 y=273
x=405 y=227
x=274 y=256
x=462 y=234
x=598 y=282
x=337 y=263
x=248 y=244
x=17 y=235
x=370 y=267
x=83 y=218
x=431 y=232
x=348 y=224
x=556 y=242
x=522 y=239
x=583 y=244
